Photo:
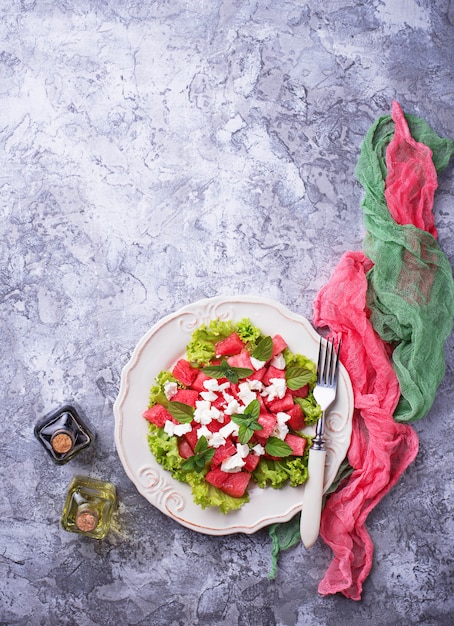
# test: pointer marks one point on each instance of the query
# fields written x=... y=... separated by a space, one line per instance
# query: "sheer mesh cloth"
x=393 y=306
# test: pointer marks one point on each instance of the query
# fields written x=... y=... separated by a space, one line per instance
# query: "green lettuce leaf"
x=206 y=495
x=157 y=395
x=276 y=474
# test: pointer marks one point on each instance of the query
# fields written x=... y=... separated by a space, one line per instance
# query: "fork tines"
x=327 y=362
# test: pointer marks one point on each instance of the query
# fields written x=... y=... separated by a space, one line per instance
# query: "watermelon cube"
x=222 y=453
x=229 y=346
x=258 y=374
x=158 y=415
x=251 y=462
x=272 y=372
x=186 y=396
x=296 y=421
x=279 y=344
x=281 y=404
x=184 y=372
x=296 y=443
x=197 y=384
x=233 y=484
x=184 y=449
x=191 y=437
x=267 y=421
x=241 y=360
x=301 y=392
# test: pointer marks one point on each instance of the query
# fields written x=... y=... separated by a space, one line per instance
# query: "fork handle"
x=313 y=494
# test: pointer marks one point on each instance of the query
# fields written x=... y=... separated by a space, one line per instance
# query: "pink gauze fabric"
x=381 y=448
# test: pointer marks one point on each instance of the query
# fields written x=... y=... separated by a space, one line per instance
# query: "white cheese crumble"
x=233 y=464
x=256 y=363
x=229 y=429
x=176 y=429
x=278 y=361
x=258 y=449
x=277 y=388
x=170 y=389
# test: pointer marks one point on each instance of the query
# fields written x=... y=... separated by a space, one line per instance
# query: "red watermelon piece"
x=184 y=372
x=241 y=360
x=296 y=421
x=197 y=384
x=222 y=453
x=268 y=422
x=191 y=437
x=281 y=404
x=184 y=449
x=301 y=392
x=229 y=346
x=279 y=344
x=251 y=462
x=186 y=396
x=158 y=415
x=296 y=443
x=233 y=484
x=272 y=372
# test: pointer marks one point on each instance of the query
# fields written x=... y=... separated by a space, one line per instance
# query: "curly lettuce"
x=275 y=474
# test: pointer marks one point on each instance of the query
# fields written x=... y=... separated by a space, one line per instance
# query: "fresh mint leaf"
x=247 y=421
x=224 y=370
x=183 y=413
x=276 y=447
x=202 y=455
x=264 y=349
x=297 y=377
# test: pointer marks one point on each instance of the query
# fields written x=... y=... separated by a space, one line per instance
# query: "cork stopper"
x=62 y=441
x=86 y=519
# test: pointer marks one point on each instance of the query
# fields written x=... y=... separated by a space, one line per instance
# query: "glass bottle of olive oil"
x=89 y=506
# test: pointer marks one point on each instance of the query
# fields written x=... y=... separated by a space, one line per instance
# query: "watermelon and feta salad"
x=231 y=414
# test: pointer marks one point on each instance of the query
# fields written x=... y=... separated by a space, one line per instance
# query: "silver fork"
x=325 y=394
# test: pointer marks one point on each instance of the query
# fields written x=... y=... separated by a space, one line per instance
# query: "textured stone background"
x=153 y=153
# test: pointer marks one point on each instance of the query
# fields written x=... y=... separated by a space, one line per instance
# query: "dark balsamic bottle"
x=64 y=433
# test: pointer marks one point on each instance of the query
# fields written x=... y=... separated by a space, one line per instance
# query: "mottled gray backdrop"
x=154 y=153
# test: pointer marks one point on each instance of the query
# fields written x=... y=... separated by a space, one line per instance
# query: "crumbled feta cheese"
x=282 y=418
x=211 y=384
x=256 y=385
x=169 y=428
x=258 y=449
x=170 y=389
x=245 y=394
x=278 y=361
x=204 y=413
x=224 y=386
x=277 y=388
x=242 y=449
x=182 y=429
x=233 y=407
x=203 y=431
x=256 y=363
x=280 y=431
x=229 y=429
x=232 y=464
x=216 y=440
x=176 y=429
x=209 y=396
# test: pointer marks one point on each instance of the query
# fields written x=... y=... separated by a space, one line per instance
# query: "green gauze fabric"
x=410 y=286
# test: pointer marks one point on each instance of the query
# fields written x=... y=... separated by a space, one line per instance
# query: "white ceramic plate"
x=158 y=350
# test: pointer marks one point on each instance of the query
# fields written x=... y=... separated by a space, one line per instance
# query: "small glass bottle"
x=64 y=433
x=89 y=506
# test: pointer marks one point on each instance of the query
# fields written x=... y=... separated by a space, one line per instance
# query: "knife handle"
x=313 y=494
